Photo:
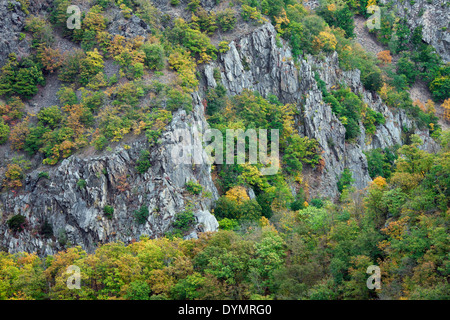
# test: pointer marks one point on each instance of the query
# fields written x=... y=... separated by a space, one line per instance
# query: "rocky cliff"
x=76 y=213
x=256 y=62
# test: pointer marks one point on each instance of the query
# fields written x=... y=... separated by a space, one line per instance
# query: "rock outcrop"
x=256 y=62
x=433 y=15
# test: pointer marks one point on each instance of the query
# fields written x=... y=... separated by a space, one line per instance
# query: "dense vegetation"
x=319 y=252
x=273 y=243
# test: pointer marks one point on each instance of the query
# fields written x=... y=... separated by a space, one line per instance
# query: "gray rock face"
x=256 y=62
x=434 y=16
x=76 y=213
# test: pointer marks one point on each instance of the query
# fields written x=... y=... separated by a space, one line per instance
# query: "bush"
x=108 y=211
x=194 y=188
x=440 y=87
x=143 y=163
x=13 y=110
x=46 y=230
x=21 y=77
x=193 y=5
x=342 y=18
x=245 y=210
x=204 y=21
x=226 y=19
x=71 y=67
x=100 y=142
x=44 y=175
x=299 y=202
x=81 y=183
x=50 y=116
x=372 y=80
x=406 y=67
x=17 y=223
x=177 y=99
x=90 y=66
x=317 y=202
x=228 y=224
x=14 y=176
x=141 y=215
x=216 y=99
x=185 y=66
x=138 y=289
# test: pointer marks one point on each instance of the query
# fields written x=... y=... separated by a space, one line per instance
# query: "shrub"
x=21 y=77
x=143 y=163
x=108 y=211
x=71 y=67
x=100 y=142
x=13 y=110
x=317 y=202
x=440 y=87
x=216 y=99
x=50 y=116
x=253 y=14
x=223 y=47
x=141 y=215
x=341 y=17
x=17 y=223
x=345 y=180
x=19 y=134
x=185 y=66
x=90 y=66
x=138 y=289
x=299 y=202
x=67 y=95
x=51 y=59
x=245 y=210
x=204 y=21
x=194 y=188
x=43 y=174
x=406 y=67
x=184 y=220
x=46 y=230
x=372 y=80
x=177 y=99
x=197 y=43
x=228 y=224
x=193 y=5
x=81 y=183
x=300 y=150
x=154 y=56
x=14 y=176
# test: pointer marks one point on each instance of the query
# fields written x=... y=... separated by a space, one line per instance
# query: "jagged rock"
x=255 y=62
